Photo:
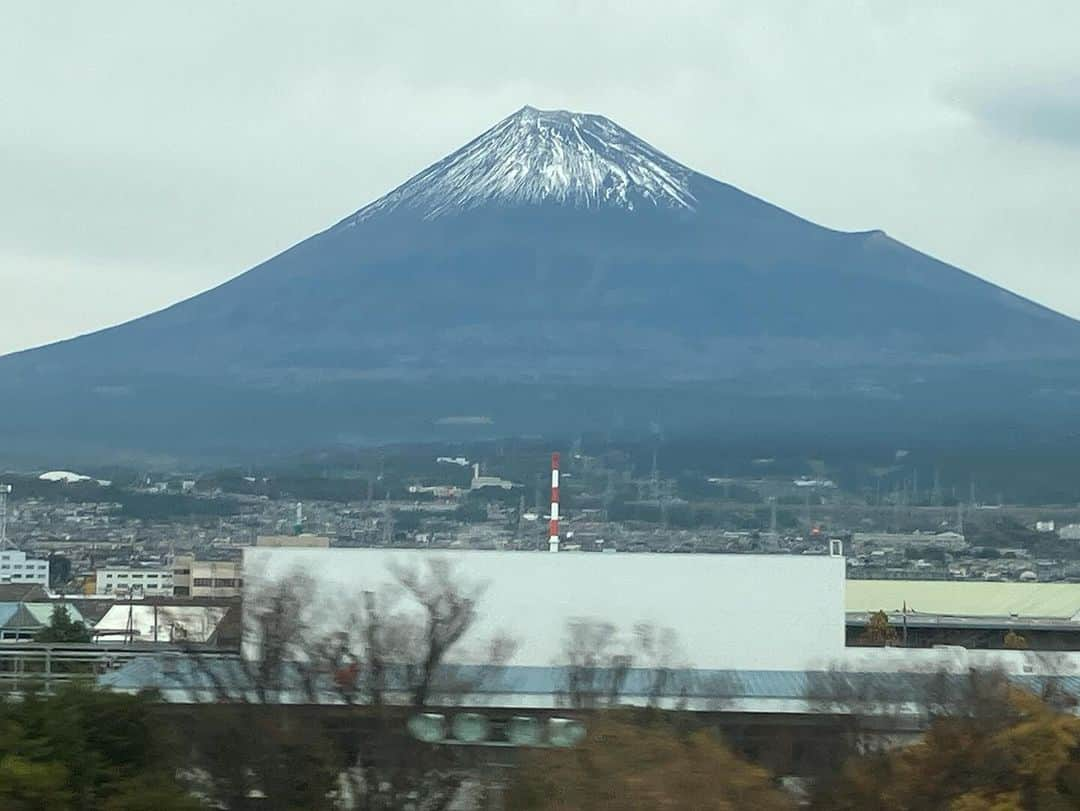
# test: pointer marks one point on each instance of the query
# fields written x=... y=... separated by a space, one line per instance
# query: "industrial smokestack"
x=553 y=526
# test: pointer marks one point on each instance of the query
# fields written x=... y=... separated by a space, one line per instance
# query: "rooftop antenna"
x=553 y=526
x=5 y=491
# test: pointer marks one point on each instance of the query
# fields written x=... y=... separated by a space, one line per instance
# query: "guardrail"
x=44 y=666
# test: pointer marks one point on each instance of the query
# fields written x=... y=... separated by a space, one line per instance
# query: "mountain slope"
x=557 y=249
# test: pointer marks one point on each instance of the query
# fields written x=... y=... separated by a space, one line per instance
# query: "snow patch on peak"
x=545 y=156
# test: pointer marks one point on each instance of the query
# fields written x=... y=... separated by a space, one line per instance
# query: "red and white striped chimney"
x=553 y=526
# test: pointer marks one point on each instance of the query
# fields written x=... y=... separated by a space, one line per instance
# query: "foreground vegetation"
x=988 y=747
x=1001 y=749
x=84 y=749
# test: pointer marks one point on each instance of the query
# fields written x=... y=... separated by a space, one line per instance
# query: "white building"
x=479 y=481
x=753 y=612
x=16 y=567
x=133 y=580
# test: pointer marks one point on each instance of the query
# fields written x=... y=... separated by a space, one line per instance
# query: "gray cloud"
x=150 y=150
x=1045 y=109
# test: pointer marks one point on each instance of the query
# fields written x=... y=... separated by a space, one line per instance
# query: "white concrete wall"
x=754 y=612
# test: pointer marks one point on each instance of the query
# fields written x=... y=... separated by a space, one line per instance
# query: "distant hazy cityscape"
x=893 y=524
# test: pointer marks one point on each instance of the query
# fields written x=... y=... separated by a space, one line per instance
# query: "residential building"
x=937 y=540
x=16 y=567
x=206 y=578
x=133 y=580
x=289 y=541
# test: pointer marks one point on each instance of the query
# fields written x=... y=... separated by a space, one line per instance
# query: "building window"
x=229 y=582
x=203 y=581
x=181 y=571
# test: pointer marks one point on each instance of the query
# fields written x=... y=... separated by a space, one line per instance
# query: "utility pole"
x=655 y=477
x=388 y=525
x=5 y=491
x=609 y=495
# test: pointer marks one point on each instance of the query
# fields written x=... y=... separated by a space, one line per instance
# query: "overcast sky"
x=149 y=150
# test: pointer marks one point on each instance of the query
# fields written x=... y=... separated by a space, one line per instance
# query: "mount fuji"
x=555 y=275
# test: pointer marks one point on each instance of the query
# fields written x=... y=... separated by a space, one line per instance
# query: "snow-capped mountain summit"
x=545 y=156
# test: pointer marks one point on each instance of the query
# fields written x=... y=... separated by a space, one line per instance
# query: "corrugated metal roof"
x=183 y=674
x=194 y=623
x=962 y=598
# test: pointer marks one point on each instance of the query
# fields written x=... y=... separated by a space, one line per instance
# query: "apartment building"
x=16 y=567
x=206 y=578
x=133 y=580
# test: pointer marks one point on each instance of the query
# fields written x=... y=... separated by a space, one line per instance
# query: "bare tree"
x=889 y=709
x=341 y=676
x=595 y=663
x=603 y=668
